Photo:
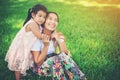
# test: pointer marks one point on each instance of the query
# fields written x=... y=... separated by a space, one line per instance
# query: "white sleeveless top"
x=38 y=46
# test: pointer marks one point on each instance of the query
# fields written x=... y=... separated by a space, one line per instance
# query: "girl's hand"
x=45 y=39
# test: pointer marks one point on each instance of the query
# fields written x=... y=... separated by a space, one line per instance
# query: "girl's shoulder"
x=31 y=24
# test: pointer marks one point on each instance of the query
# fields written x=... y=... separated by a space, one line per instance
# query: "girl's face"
x=51 y=22
x=39 y=17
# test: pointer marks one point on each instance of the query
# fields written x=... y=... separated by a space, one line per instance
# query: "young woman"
x=47 y=63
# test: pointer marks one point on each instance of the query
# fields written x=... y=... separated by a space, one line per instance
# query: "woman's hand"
x=45 y=39
x=58 y=36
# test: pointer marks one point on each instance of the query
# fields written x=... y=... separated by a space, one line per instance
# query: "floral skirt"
x=59 y=67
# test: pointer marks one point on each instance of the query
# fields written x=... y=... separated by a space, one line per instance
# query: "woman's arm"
x=38 y=56
x=61 y=41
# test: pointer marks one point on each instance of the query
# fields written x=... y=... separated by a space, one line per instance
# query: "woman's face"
x=51 y=22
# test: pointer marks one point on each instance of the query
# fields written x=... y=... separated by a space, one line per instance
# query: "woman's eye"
x=40 y=16
x=50 y=18
x=56 y=20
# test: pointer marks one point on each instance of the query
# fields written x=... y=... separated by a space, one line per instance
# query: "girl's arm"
x=35 y=30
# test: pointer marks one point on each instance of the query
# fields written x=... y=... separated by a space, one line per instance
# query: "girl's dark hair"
x=48 y=15
x=34 y=10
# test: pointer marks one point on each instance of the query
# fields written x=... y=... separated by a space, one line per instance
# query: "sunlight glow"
x=89 y=3
x=95 y=4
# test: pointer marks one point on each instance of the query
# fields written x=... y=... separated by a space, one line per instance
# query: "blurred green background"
x=91 y=27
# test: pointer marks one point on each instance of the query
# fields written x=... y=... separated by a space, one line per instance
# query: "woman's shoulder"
x=61 y=35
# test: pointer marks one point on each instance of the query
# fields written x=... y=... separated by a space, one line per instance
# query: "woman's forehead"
x=52 y=15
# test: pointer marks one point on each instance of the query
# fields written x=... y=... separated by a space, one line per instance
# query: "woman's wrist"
x=45 y=48
x=60 y=40
x=46 y=45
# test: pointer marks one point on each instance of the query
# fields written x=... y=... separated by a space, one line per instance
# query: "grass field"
x=92 y=33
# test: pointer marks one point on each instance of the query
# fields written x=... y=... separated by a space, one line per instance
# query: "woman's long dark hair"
x=34 y=10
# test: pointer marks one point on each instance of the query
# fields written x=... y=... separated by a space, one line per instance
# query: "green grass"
x=93 y=36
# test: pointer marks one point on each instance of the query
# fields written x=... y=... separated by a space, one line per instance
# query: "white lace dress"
x=18 y=56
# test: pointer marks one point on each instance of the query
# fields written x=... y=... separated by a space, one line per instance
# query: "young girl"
x=18 y=56
x=49 y=64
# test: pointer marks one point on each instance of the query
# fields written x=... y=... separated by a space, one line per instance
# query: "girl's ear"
x=33 y=15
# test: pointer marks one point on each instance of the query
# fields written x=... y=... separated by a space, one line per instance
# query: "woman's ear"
x=33 y=15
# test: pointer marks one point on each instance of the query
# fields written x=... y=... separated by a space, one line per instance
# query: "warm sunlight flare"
x=89 y=3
